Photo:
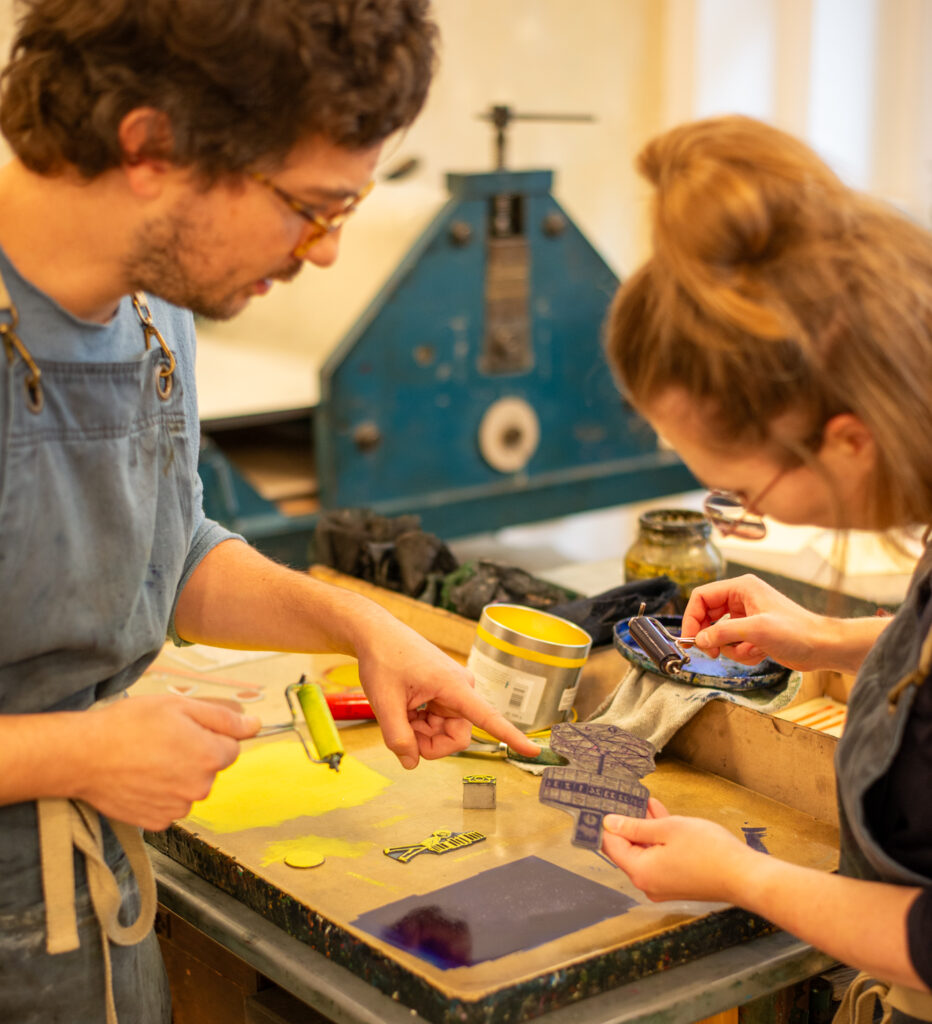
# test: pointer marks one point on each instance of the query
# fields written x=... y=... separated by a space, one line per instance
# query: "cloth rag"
x=653 y=706
x=597 y=615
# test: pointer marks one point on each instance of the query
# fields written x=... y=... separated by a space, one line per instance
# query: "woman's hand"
x=747 y=620
x=670 y=858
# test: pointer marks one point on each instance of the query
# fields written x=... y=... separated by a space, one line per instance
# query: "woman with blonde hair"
x=780 y=338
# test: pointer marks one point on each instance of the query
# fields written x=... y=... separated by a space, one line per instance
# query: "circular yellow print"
x=304 y=859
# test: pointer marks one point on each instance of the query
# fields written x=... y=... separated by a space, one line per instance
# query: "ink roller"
x=664 y=649
x=308 y=700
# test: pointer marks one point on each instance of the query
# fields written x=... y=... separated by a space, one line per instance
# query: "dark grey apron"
x=878 y=710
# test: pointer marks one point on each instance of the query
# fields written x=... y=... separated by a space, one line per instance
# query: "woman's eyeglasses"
x=734 y=516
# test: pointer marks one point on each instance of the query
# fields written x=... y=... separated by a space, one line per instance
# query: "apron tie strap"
x=859 y=1002
x=915 y=678
x=68 y=824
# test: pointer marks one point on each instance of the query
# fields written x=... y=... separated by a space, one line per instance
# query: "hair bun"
x=732 y=194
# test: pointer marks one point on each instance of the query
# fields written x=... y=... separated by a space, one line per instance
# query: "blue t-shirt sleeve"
x=919 y=935
x=207 y=535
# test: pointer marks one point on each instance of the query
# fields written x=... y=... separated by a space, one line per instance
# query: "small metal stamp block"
x=479 y=792
x=441 y=841
x=602 y=777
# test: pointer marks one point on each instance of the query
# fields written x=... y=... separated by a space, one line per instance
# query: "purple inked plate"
x=701 y=670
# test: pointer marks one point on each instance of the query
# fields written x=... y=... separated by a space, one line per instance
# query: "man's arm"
x=423 y=699
x=143 y=760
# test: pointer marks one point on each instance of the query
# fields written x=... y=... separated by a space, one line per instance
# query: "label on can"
x=568 y=698
x=515 y=694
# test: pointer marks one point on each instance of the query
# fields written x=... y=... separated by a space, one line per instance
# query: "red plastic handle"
x=348 y=706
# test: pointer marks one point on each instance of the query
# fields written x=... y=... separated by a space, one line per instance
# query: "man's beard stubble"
x=155 y=265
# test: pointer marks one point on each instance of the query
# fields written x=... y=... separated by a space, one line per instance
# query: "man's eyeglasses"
x=320 y=226
x=733 y=516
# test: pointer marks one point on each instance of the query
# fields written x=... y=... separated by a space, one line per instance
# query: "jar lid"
x=681 y=522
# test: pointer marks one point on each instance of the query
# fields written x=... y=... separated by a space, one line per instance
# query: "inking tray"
x=700 y=670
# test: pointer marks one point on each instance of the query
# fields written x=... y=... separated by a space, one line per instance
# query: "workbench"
x=679 y=995
x=221 y=870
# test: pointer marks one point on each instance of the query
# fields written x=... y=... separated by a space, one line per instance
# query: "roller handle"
x=350 y=706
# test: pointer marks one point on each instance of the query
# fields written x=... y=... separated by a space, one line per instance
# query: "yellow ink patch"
x=344 y=676
x=271 y=783
x=309 y=847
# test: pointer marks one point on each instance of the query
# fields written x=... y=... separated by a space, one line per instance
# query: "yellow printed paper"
x=271 y=783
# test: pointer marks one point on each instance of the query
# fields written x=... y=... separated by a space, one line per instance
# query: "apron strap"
x=68 y=824
x=911 y=1002
x=860 y=1001
x=915 y=678
x=865 y=992
x=13 y=344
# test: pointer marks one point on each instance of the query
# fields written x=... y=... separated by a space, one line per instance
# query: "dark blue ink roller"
x=664 y=649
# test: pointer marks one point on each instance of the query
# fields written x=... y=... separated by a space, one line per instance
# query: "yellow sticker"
x=310 y=846
x=304 y=859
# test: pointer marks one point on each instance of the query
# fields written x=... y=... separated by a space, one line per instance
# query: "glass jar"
x=675 y=543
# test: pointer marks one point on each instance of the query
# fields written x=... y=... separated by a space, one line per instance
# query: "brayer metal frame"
x=332 y=759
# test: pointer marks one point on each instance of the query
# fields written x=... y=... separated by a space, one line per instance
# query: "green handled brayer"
x=308 y=698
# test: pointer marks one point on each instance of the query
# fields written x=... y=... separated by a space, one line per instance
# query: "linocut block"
x=606 y=763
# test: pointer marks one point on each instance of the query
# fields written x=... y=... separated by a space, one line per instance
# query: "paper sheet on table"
x=204 y=657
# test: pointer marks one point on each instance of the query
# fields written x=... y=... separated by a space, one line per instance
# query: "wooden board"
x=238 y=838
x=243 y=854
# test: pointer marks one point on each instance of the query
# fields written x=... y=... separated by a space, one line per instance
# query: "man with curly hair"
x=169 y=156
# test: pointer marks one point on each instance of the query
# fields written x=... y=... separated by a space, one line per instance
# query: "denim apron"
x=878 y=710
x=97 y=515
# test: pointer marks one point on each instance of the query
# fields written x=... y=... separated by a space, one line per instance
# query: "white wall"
x=854 y=77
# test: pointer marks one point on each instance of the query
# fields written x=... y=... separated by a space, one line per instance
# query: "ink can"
x=526 y=664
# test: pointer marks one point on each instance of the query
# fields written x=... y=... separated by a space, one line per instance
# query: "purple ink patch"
x=497 y=912
x=754 y=837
